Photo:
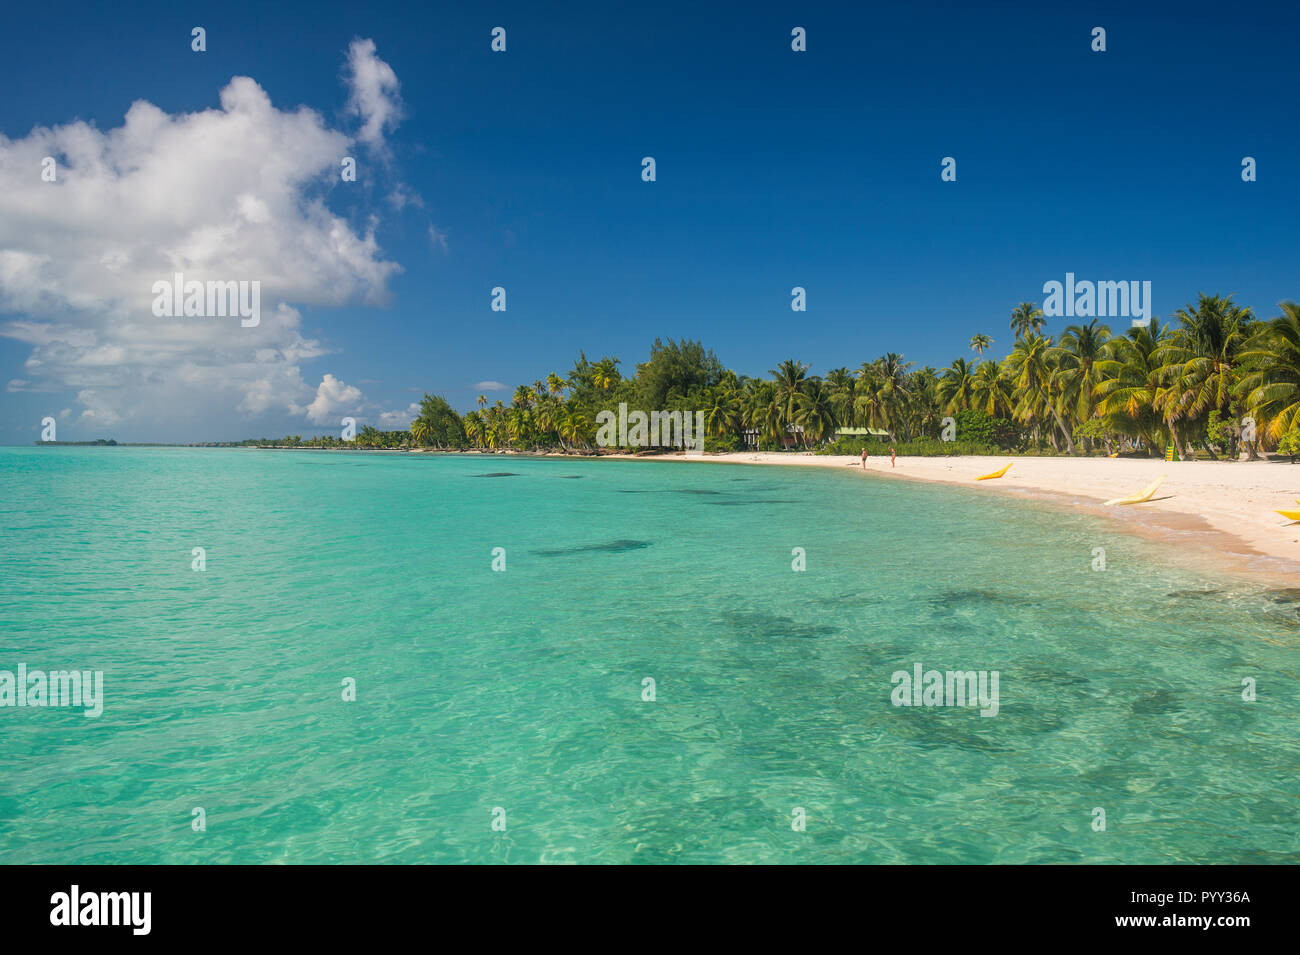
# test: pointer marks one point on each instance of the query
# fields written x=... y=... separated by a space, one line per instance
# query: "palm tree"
x=722 y=413
x=870 y=402
x=815 y=414
x=894 y=369
x=956 y=387
x=980 y=342
x=517 y=426
x=755 y=397
x=791 y=379
x=1076 y=374
x=1030 y=368
x=990 y=390
x=497 y=430
x=923 y=409
x=890 y=388
x=1128 y=393
x=575 y=428
x=1271 y=389
x=605 y=374
x=1027 y=319
x=1200 y=358
x=840 y=383
x=473 y=422
x=546 y=415
x=420 y=432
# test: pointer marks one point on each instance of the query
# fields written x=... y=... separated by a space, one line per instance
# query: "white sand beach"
x=1223 y=508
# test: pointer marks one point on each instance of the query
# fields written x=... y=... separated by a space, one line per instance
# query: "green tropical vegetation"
x=1194 y=382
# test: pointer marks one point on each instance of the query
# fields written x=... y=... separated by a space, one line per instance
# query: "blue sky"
x=775 y=169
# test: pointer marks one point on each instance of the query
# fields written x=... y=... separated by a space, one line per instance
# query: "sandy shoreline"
x=1225 y=509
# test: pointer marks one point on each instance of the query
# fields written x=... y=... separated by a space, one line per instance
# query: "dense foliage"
x=1196 y=382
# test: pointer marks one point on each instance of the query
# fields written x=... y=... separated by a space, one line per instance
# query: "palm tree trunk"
x=1177 y=441
x=1069 y=441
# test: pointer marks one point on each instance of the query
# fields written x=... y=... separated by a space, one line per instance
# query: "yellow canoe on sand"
x=1140 y=496
x=1291 y=515
x=995 y=474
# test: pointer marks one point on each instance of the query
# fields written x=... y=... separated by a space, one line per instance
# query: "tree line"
x=1214 y=380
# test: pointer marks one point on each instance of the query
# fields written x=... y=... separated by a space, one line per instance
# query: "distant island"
x=100 y=443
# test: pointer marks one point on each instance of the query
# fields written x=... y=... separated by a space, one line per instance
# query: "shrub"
x=1290 y=444
x=975 y=426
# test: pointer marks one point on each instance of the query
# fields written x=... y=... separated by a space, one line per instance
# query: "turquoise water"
x=522 y=689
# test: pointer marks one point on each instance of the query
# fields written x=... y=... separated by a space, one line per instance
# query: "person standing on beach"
x=864 y=459
x=891 y=457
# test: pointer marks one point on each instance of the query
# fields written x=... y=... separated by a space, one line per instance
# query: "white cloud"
x=491 y=386
x=374 y=93
x=232 y=193
x=403 y=195
x=333 y=397
x=96 y=409
x=399 y=420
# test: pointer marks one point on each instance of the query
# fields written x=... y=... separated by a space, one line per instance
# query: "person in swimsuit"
x=891 y=457
x=864 y=459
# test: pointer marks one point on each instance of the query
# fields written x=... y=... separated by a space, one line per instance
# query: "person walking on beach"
x=864 y=459
x=891 y=457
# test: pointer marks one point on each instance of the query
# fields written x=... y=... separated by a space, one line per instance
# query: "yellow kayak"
x=1140 y=496
x=1291 y=515
x=995 y=474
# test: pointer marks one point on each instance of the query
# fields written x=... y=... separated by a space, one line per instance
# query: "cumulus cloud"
x=399 y=420
x=233 y=193
x=96 y=409
x=333 y=397
x=374 y=93
x=491 y=386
